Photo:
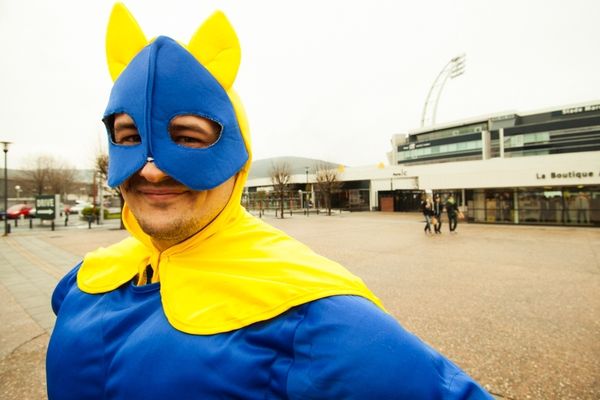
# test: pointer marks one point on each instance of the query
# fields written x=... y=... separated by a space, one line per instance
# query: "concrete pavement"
x=517 y=307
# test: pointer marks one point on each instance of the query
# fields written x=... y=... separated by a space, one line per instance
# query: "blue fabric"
x=119 y=345
x=164 y=80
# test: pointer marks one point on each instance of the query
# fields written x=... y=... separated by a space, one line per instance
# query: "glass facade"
x=452 y=144
x=570 y=130
x=552 y=142
x=553 y=138
x=546 y=205
x=453 y=132
x=350 y=199
x=446 y=150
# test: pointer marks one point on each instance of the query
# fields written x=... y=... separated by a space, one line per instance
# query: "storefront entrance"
x=400 y=200
x=546 y=206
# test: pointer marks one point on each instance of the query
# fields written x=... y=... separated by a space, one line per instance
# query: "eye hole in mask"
x=193 y=131
x=122 y=130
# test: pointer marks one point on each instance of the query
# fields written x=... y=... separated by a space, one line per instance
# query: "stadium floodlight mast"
x=454 y=68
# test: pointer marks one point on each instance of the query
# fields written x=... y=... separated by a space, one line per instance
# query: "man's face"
x=166 y=210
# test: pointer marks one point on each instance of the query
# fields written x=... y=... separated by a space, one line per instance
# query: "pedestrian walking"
x=438 y=208
x=427 y=209
x=452 y=210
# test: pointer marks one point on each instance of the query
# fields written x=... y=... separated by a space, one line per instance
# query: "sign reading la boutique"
x=564 y=175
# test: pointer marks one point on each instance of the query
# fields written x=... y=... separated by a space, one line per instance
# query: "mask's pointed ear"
x=124 y=39
x=216 y=46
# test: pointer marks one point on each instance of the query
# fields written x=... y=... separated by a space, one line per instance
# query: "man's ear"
x=215 y=44
x=124 y=39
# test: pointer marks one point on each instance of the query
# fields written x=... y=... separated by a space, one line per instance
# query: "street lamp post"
x=5 y=148
x=307 y=199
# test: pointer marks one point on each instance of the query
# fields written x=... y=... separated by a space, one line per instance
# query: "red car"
x=17 y=210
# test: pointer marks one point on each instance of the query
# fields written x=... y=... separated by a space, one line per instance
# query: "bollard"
x=90 y=219
x=52 y=225
x=16 y=222
x=30 y=223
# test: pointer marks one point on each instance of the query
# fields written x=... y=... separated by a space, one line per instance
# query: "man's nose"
x=152 y=173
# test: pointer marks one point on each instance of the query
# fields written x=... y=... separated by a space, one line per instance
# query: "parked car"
x=78 y=208
x=17 y=210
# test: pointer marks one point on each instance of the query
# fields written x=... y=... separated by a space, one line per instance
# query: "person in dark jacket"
x=427 y=210
x=438 y=208
x=452 y=210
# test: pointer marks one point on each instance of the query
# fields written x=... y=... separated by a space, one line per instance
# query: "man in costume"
x=204 y=301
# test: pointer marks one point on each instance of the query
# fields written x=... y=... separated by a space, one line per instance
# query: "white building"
x=539 y=167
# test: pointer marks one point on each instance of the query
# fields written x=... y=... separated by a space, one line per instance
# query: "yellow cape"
x=234 y=272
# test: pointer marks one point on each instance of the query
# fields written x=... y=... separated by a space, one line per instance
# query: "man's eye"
x=194 y=132
x=188 y=139
x=128 y=139
x=192 y=141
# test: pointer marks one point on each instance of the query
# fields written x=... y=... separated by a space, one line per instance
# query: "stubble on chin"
x=175 y=230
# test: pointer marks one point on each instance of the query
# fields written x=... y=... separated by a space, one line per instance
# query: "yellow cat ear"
x=216 y=46
x=124 y=39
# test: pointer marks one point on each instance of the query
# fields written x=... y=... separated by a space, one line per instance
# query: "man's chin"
x=162 y=231
x=168 y=229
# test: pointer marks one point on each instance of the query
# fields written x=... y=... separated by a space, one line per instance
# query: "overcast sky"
x=324 y=79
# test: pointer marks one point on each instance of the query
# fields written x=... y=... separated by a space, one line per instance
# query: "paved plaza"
x=517 y=307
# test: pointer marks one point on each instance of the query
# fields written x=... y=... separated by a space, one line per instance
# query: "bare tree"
x=101 y=168
x=36 y=172
x=327 y=180
x=61 y=178
x=280 y=177
x=47 y=174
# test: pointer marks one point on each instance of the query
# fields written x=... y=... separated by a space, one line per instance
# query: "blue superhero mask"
x=161 y=82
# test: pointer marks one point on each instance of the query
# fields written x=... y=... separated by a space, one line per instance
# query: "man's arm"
x=347 y=348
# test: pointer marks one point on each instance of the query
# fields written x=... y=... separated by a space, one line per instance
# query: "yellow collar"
x=245 y=272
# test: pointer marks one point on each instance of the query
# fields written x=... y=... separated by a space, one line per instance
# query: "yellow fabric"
x=245 y=272
x=216 y=46
x=234 y=272
x=124 y=39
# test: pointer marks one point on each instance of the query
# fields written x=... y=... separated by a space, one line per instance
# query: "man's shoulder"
x=351 y=320
x=343 y=306
x=63 y=287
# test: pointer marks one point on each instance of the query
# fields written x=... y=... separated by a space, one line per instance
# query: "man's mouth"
x=160 y=193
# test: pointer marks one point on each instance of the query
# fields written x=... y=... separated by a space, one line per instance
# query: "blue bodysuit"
x=339 y=347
